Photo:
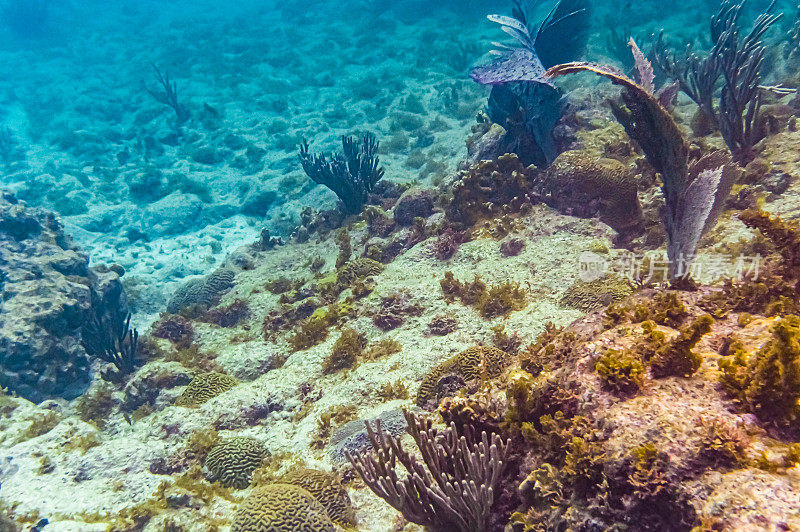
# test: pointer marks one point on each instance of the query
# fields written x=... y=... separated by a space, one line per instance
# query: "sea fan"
x=560 y=37
x=695 y=194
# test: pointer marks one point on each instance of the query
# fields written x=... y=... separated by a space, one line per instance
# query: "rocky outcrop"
x=48 y=294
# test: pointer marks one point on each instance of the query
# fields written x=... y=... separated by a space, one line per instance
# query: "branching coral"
x=453 y=490
x=108 y=336
x=735 y=60
x=351 y=175
x=169 y=96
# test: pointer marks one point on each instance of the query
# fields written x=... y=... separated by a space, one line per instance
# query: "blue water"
x=165 y=135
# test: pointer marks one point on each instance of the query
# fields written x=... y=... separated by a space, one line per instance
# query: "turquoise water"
x=167 y=138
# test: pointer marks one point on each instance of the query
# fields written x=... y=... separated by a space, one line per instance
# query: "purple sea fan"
x=560 y=37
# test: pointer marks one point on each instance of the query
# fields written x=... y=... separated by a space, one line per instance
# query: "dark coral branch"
x=169 y=96
x=351 y=175
x=735 y=60
x=110 y=338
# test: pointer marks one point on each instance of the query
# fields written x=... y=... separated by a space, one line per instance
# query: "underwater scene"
x=399 y=266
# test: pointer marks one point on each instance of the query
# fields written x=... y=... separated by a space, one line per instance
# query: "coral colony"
x=553 y=289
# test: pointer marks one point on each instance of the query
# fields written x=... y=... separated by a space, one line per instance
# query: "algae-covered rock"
x=48 y=293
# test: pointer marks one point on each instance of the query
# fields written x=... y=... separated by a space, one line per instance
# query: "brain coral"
x=233 y=461
x=476 y=362
x=281 y=508
x=327 y=489
x=201 y=293
x=205 y=386
x=595 y=294
x=358 y=269
x=352 y=437
x=580 y=184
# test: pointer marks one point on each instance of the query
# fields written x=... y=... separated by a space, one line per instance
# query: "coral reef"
x=738 y=62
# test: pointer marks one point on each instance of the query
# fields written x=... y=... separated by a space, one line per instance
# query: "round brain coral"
x=204 y=387
x=233 y=461
x=203 y=292
x=580 y=184
x=327 y=489
x=595 y=294
x=281 y=508
x=476 y=362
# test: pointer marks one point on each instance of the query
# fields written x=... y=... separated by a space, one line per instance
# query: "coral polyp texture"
x=204 y=387
x=232 y=461
x=480 y=362
x=521 y=299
